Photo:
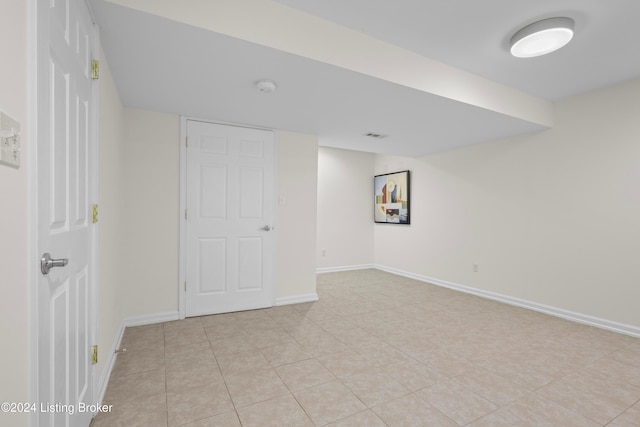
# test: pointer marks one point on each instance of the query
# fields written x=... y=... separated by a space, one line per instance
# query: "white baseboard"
x=149 y=319
x=296 y=299
x=553 y=311
x=344 y=268
x=110 y=363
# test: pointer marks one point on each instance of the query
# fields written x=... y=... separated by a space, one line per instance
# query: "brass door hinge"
x=186 y=141
x=95 y=354
x=95 y=213
x=185 y=286
x=95 y=69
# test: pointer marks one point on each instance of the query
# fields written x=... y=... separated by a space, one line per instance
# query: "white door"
x=229 y=220
x=66 y=323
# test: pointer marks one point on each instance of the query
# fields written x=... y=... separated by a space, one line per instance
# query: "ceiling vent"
x=375 y=135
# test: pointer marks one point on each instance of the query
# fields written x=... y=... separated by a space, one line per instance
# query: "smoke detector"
x=266 y=86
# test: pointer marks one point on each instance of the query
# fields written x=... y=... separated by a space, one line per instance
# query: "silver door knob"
x=47 y=263
x=266 y=228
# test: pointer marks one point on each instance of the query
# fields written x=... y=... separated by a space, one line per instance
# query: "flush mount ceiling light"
x=266 y=86
x=542 y=37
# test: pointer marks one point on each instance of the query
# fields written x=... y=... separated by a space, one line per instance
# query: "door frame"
x=92 y=174
x=182 y=269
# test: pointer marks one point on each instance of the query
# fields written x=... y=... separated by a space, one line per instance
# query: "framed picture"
x=392 y=198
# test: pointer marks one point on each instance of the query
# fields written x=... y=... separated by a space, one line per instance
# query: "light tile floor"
x=375 y=350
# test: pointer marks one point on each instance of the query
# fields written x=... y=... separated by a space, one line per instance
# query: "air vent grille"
x=375 y=135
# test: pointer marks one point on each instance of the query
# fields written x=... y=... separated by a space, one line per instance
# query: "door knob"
x=266 y=228
x=47 y=263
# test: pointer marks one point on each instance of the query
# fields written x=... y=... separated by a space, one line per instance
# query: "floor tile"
x=232 y=345
x=629 y=418
x=593 y=395
x=534 y=410
x=380 y=354
x=413 y=374
x=228 y=419
x=361 y=419
x=283 y=354
x=615 y=369
x=322 y=345
x=197 y=403
x=137 y=361
x=345 y=363
x=492 y=387
x=221 y=330
x=328 y=402
x=184 y=376
x=304 y=374
x=222 y=320
x=177 y=337
x=240 y=363
x=200 y=351
x=141 y=412
x=127 y=387
x=255 y=386
x=628 y=356
x=271 y=337
x=277 y=412
x=457 y=402
x=374 y=387
x=412 y=411
x=149 y=338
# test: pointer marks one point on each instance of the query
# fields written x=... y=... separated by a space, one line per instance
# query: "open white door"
x=66 y=322
x=230 y=236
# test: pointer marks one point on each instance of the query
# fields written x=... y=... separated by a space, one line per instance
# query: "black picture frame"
x=392 y=198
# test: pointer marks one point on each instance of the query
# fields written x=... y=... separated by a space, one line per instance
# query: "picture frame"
x=392 y=198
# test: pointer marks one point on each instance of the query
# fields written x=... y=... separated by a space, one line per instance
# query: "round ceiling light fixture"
x=542 y=37
x=266 y=86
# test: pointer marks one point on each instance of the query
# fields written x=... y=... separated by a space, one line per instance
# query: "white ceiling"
x=398 y=78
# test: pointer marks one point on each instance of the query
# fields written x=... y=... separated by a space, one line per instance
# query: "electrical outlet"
x=9 y=141
x=324 y=252
x=475 y=268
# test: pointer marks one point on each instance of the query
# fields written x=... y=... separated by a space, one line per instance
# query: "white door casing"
x=229 y=218
x=65 y=144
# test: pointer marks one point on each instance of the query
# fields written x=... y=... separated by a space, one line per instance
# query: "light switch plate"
x=9 y=141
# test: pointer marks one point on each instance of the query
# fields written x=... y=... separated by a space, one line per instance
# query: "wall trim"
x=296 y=299
x=149 y=319
x=110 y=363
x=324 y=270
x=542 y=308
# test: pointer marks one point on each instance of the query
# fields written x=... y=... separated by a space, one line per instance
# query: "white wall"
x=345 y=208
x=550 y=218
x=149 y=272
x=112 y=219
x=297 y=191
x=14 y=216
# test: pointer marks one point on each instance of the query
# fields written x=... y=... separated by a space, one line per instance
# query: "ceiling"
x=432 y=75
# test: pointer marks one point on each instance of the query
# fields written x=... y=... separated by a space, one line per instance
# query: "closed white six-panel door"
x=229 y=219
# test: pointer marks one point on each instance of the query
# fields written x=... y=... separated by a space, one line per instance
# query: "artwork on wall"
x=392 y=198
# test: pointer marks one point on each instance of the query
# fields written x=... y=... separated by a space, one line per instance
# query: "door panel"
x=251 y=185
x=212 y=261
x=66 y=326
x=230 y=191
x=250 y=263
x=213 y=192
